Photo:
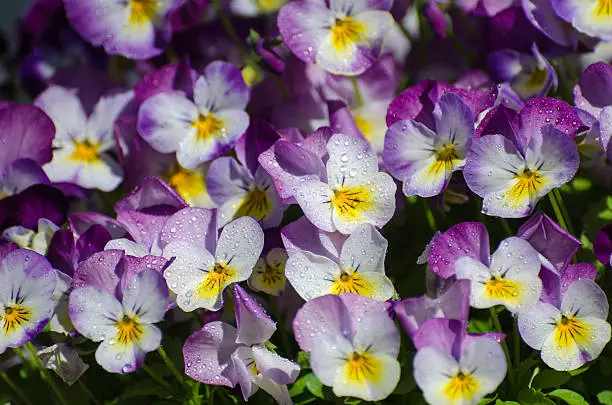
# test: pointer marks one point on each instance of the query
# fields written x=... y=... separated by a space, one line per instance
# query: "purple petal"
x=551 y=286
x=468 y=239
x=143 y=227
x=195 y=225
x=436 y=18
x=542 y=111
x=91 y=241
x=341 y=120
x=80 y=222
x=39 y=201
x=258 y=138
x=253 y=323
x=445 y=335
x=153 y=192
x=172 y=77
x=207 y=354
x=302 y=235
x=102 y=270
x=594 y=89
x=550 y=240
x=23 y=173
x=602 y=245
x=577 y=271
x=500 y=120
x=61 y=251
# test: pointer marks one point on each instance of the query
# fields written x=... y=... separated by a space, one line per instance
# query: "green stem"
x=15 y=388
x=357 y=91
x=157 y=378
x=506 y=227
x=88 y=392
x=516 y=344
x=170 y=365
x=229 y=27
x=498 y=328
x=429 y=215
x=46 y=377
x=564 y=211
x=557 y=201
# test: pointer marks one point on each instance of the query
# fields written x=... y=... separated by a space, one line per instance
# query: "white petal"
x=240 y=245
x=311 y=275
x=585 y=298
x=364 y=250
x=94 y=313
x=64 y=108
x=538 y=323
x=314 y=198
x=383 y=376
x=432 y=369
x=146 y=297
x=487 y=362
x=130 y=248
x=350 y=160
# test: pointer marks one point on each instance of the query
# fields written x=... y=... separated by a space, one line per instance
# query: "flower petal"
x=240 y=245
x=147 y=297
x=364 y=250
x=94 y=312
x=585 y=299
x=311 y=275
x=538 y=323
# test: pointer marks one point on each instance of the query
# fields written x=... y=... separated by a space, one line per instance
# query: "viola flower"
x=353 y=345
x=123 y=324
x=344 y=38
x=269 y=272
x=220 y=354
x=593 y=17
x=28 y=239
x=511 y=177
x=425 y=159
x=64 y=360
x=27 y=282
x=238 y=192
x=190 y=184
x=452 y=367
x=355 y=191
x=510 y=278
x=573 y=333
x=82 y=144
x=528 y=75
x=198 y=278
x=133 y=28
x=204 y=128
x=359 y=270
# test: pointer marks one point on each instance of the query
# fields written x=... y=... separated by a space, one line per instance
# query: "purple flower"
x=359 y=269
x=27 y=282
x=220 y=354
x=198 y=275
x=82 y=144
x=452 y=367
x=353 y=345
x=509 y=278
x=424 y=159
x=202 y=129
x=354 y=192
x=592 y=17
x=602 y=245
x=573 y=333
x=122 y=320
x=343 y=37
x=133 y=29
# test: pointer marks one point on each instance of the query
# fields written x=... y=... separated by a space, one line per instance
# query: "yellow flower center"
x=86 y=152
x=142 y=11
x=272 y=275
x=256 y=204
x=527 y=185
x=208 y=126
x=536 y=78
x=604 y=8
x=445 y=158
x=216 y=280
x=363 y=367
x=351 y=282
x=346 y=32
x=128 y=330
x=14 y=317
x=188 y=183
x=351 y=202
x=570 y=330
x=461 y=386
x=501 y=289
x=365 y=126
x=268 y=6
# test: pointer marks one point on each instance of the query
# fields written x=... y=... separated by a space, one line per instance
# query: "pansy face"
x=269 y=273
x=27 y=282
x=125 y=327
x=82 y=144
x=573 y=334
x=423 y=159
x=355 y=192
x=199 y=278
x=343 y=38
x=510 y=280
x=512 y=182
x=360 y=269
x=204 y=128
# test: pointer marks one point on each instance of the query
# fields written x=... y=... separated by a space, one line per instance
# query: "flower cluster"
x=296 y=201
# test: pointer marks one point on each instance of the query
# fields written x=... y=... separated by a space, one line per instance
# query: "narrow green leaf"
x=568 y=396
x=605 y=397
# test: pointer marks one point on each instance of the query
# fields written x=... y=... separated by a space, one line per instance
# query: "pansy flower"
x=343 y=37
x=82 y=144
x=512 y=171
x=425 y=159
x=198 y=276
x=27 y=282
x=592 y=17
x=269 y=272
x=452 y=367
x=64 y=360
x=353 y=345
x=355 y=191
x=204 y=128
x=132 y=28
x=124 y=324
x=572 y=333
x=220 y=354
x=37 y=241
x=359 y=270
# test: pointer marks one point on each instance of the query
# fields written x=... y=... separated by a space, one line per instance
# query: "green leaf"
x=500 y=402
x=530 y=396
x=479 y=325
x=303 y=359
x=580 y=370
x=486 y=401
x=605 y=397
x=352 y=401
x=299 y=386
x=314 y=385
x=550 y=378
x=568 y=396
